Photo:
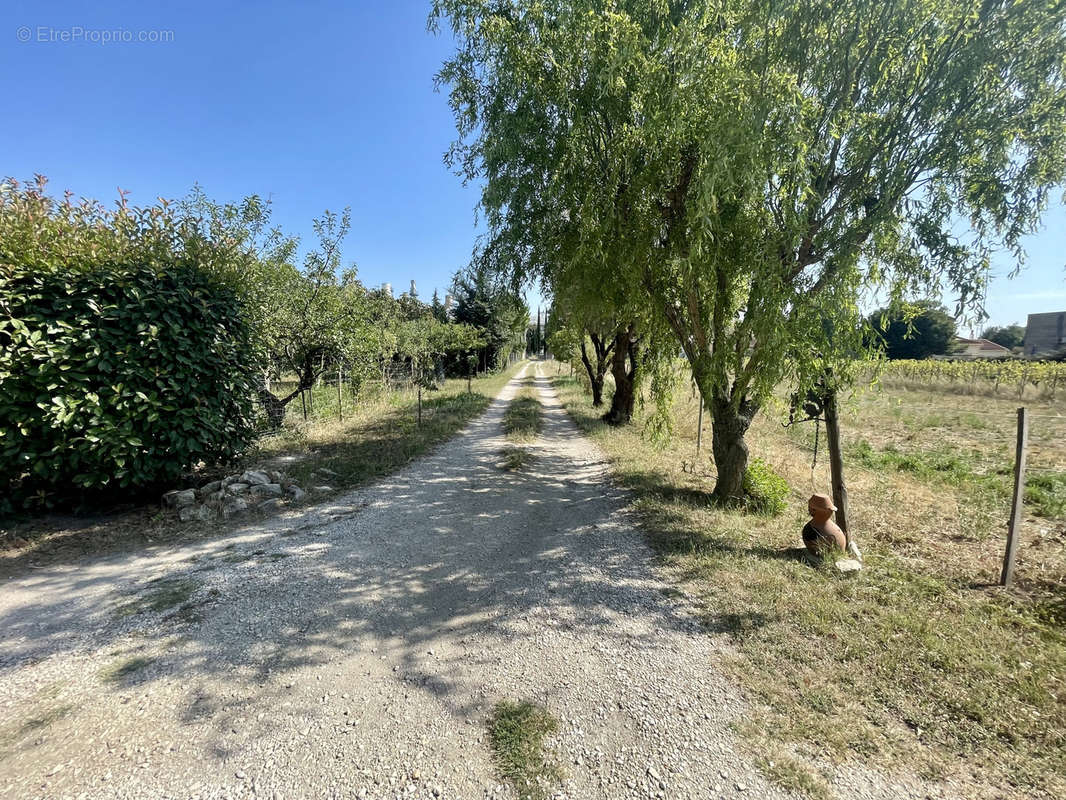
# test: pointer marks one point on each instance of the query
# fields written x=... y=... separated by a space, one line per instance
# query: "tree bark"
x=595 y=381
x=274 y=408
x=729 y=425
x=625 y=378
x=836 y=461
x=598 y=372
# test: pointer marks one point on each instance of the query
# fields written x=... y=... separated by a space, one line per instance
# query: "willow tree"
x=754 y=167
x=528 y=127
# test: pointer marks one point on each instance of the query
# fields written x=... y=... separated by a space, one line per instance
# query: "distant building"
x=1044 y=334
x=979 y=348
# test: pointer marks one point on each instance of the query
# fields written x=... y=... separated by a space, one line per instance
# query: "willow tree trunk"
x=624 y=369
x=728 y=426
x=595 y=381
x=598 y=372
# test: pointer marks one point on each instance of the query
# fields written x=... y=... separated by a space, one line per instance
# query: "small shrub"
x=765 y=491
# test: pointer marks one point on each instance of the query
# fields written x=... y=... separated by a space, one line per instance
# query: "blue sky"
x=314 y=104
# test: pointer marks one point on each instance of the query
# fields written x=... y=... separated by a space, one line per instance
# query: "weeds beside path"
x=378 y=437
x=912 y=666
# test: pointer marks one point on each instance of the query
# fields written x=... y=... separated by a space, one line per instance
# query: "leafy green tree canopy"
x=1009 y=336
x=918 y=330
x=752 y=167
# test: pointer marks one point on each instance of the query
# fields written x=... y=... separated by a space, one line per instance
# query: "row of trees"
x=317 y=317
x=138 y=342
x=727 y=178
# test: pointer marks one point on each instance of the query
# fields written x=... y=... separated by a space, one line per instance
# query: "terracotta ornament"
x=821 y=533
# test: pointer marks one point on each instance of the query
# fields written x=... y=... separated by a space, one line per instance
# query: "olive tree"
x=314 y=316
x=753 y=168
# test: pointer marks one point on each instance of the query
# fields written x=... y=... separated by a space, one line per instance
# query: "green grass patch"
x=516 y=735
x=521 y=420
x=910 y=665
x=943 y=465
x=159 y=595
x=1045 y=491
x=122 y=670
x=513 y=459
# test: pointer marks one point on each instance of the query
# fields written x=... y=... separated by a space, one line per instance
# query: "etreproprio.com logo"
x=47 y=34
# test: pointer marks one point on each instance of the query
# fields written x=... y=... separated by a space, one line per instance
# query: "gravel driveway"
x=354 y=649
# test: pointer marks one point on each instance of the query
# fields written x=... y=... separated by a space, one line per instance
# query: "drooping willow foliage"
x=739 y=174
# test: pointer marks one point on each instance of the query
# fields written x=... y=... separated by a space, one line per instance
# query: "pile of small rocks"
x=262 y=490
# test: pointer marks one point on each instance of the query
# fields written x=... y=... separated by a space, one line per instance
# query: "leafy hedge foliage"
x=123 y=351
x=765 y=491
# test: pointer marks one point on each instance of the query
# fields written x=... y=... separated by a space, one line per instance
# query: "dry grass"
x=380 y=436
x=917 y=664
x=514 y=458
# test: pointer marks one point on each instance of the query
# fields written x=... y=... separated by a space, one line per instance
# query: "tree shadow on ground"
x=375 y=449
x=453 y=550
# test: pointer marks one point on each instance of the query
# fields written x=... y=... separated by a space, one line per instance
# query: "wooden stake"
x=836 y=462
x=340 y=400
x=420 y=405
x=699 y=428
x=1015 y=524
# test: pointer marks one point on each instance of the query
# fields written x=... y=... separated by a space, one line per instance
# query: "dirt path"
x=355 y=650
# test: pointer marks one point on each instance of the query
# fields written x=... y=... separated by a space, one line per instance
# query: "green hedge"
x=118 y=372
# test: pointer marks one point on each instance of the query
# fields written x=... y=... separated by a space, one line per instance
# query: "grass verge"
x=521 y=425
x=516 y=735
x=379 y=435
x=913 y=665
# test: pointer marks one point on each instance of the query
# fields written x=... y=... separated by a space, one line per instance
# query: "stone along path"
x=356 y=649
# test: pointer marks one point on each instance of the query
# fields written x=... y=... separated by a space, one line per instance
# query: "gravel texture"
x=355 y=649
